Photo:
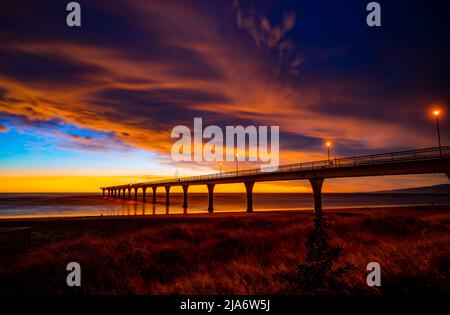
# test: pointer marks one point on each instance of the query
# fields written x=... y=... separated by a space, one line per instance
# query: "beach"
x=91 y=204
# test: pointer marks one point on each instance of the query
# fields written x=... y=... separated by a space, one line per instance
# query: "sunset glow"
x=94 y=103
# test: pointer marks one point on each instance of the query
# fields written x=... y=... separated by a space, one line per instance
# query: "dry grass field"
x=232 y=254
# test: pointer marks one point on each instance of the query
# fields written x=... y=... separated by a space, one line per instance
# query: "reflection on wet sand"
x=47 y=205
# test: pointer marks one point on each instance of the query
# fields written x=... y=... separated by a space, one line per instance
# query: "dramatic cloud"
x=260 y=28
x=137 y=69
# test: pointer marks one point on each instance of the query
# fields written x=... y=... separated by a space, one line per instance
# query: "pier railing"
x=362 y=160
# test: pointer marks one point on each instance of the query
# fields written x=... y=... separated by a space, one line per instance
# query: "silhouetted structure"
x=423 y=161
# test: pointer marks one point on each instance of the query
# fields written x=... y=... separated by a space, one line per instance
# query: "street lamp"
x=237 y=163
x=436 y=114
x=328 y=144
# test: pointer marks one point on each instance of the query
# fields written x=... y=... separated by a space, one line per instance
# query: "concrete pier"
x=422 y=161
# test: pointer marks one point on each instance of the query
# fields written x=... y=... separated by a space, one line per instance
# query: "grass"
x=248 y=254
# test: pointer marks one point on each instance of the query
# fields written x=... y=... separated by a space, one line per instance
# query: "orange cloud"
x=184 y=65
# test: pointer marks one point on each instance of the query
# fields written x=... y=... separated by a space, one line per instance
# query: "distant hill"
x=436 y=189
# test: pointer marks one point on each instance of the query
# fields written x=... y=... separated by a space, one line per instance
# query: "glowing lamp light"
x=328 y=144
x=436 y=112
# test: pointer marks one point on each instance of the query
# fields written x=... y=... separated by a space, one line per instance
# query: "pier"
x=421 y=161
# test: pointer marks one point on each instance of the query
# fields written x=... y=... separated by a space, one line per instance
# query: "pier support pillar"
x=249 y=189
x=135 y=193
x=103 y=192
x=185 y=191
x=167 y=194
x=119 y=193
x=154 y=193
x=143 y=193
x=316 y=184
x=129 y=193
x=210 y=197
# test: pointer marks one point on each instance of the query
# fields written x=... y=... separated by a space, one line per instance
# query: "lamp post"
x=328 y=144
x=436 y=114
x=220 y=168
x=237 y=163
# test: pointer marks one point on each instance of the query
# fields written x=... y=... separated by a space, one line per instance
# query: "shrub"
x=317 y=270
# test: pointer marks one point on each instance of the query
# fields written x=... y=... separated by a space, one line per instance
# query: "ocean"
x=92 y=204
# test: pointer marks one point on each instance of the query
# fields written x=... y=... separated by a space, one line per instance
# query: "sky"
x=90 y=106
